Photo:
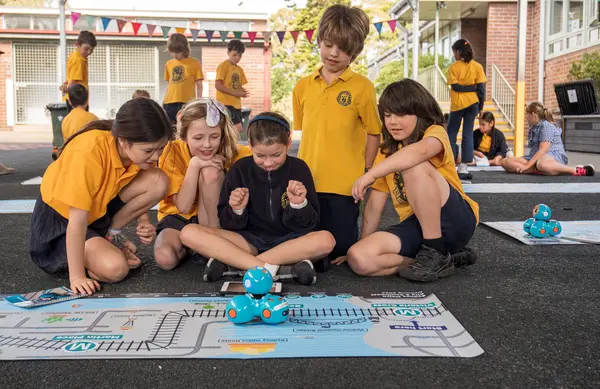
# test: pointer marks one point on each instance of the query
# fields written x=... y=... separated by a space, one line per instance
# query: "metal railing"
x=503 y=95
x=434 y=81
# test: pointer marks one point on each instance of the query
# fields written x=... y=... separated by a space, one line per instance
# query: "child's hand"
x=361 y=185
x=198 y=163
x=85 y=286
x=296 y=192
x=239 y=198
x=217 y=161
x=244 y=93
x=146 y=232
x=479 y=154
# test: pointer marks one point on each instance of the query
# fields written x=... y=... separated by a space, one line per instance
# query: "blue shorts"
x=458 y=226
x=262 y=245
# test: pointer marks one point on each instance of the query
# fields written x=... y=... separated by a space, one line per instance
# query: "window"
x=556 y=17
x=45 y=23
x=575 y=16
x=17 y=22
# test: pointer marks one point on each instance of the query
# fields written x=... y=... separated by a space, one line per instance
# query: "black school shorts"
x=176 y=222
x=236 y=114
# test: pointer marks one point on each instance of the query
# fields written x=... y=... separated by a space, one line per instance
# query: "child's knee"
x=211 y=175
x=358 y=260
x=417 y=171
x=192 y=235
x=115 y=271
x=159 y=183
x=165 y=257
x=326 y=241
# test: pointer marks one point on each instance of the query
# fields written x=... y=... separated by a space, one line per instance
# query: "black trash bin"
x=57 y=112
x=245 y=120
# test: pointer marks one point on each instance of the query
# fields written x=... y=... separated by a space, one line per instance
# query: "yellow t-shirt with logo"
x=174 y=161
x=88 y=175
x=486 y=144
x=182 y=75
x=463 y=73
x=77 y=71
x=75 y=121
x=335 y=120
x=234 y=78
x=443 y=162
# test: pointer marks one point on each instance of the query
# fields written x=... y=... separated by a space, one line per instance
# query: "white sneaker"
x=462 y=168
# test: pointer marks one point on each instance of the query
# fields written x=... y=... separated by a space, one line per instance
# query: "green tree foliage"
x=26 y=3
x=394 y=71
x=587 y=67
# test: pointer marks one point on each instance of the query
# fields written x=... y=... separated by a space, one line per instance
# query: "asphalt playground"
x=533 y=309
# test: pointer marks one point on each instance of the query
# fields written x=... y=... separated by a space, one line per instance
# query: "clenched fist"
x=296 y=192
x=239 y=198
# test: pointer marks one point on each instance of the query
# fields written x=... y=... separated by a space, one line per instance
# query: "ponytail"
x=103 y=125
x=542 y=112
x=547 y=115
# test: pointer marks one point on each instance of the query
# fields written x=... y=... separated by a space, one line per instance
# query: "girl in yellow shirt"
x=104 y=177
x=195 y=165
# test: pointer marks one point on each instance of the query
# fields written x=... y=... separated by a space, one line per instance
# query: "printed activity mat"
x=24 y=206
x=486 y=168
x=575 y=187
x=140 y=326
x=573 y=232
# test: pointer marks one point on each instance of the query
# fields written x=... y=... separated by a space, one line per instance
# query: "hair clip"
x=213 y=110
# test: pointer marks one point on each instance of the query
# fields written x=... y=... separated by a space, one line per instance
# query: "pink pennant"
x=75 y=17
x=151 y=28
x=252 y=36
x=392 y=24
x=295 y=35
x=309 y=34
x=121 y=24
x=136 y=27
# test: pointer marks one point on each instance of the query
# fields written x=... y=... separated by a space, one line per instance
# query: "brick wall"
x=256 y=63
x=471 y=30
x=5 y=73
x=532 y=52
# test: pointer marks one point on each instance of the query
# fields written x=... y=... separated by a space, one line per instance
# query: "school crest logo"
x=178 y=74
x=399 y=193
x=285 y=201
x=235 y=81
x=344 y=98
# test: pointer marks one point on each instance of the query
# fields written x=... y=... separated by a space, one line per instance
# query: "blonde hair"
x=140 y=93
x=178 y=43
x=196 y=109
x=347 y=27
x=538 y=109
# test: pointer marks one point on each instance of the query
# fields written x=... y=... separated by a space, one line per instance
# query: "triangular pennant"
x=209 y=34
x=91 y=21
x=121 y=24
x=151 y=28
x=223 y=35
x=266 y=36
x=281 y=35
x=392 y=24
x=194 y=34
x=136 y=27
x=309 y=34
x=238 y=34
x=165 y=30
x=378 y=27
x=75 y=17
x=180 y=30
x=252 y=36
x=105 y=22
x=294 y=35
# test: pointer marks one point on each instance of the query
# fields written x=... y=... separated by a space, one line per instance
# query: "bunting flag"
x=309 y=35
x=392 y=24
x=209 y=35
x=105 y=22
x=378 y=27
x=121 y=24
x=75 y=17
x=194 y=34
x=252 y=36
x=91 y=21
x=151 y=28
x=295 y=35
x=136 y=27
x=238 y=34
x=281 y=35
x=180 y=30
x=266 y=36
x=223 y=35
x=165 y=30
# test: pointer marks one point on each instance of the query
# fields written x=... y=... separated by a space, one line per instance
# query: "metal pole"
x=542 y=51
x=520 y=90
x=436 y=79
x=405 y=50
x=63 y=41
x=415 y=37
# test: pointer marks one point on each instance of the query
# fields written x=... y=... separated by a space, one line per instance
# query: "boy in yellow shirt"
x=230 y=81
x=336 y=110
x=78 y=117
x=184 y=75
x=77 y=64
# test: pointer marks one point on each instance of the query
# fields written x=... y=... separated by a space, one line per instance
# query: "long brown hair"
x=542 y=112
x=137 y=121
x=408 y=97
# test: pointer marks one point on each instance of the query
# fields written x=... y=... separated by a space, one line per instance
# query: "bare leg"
x=511 y=165
x=209 y=189
x=377 y=255
x=313 y=246
x=548 y=166
x=168 y=250
x=104 y=261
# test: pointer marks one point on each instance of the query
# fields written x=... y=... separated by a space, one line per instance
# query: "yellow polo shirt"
x=335 y=120
x=443 y=162
x=486 y=144
x=234 y=78
x=75 y=121
x=463 y=73
x=182 y=75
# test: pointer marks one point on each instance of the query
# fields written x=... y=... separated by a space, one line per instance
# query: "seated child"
x=195 y=166
x=140 y=93
x=79 y=116
x=547 y=155
x=416 y=166
x=103 y=179
x=268 y=209
x=489 y=142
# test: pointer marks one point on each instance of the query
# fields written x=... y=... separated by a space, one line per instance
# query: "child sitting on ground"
x=415 y=165
x=547 y=155
x=488 y=141
x=268 y=209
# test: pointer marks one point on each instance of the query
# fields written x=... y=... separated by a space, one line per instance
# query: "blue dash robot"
x=541 y=225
